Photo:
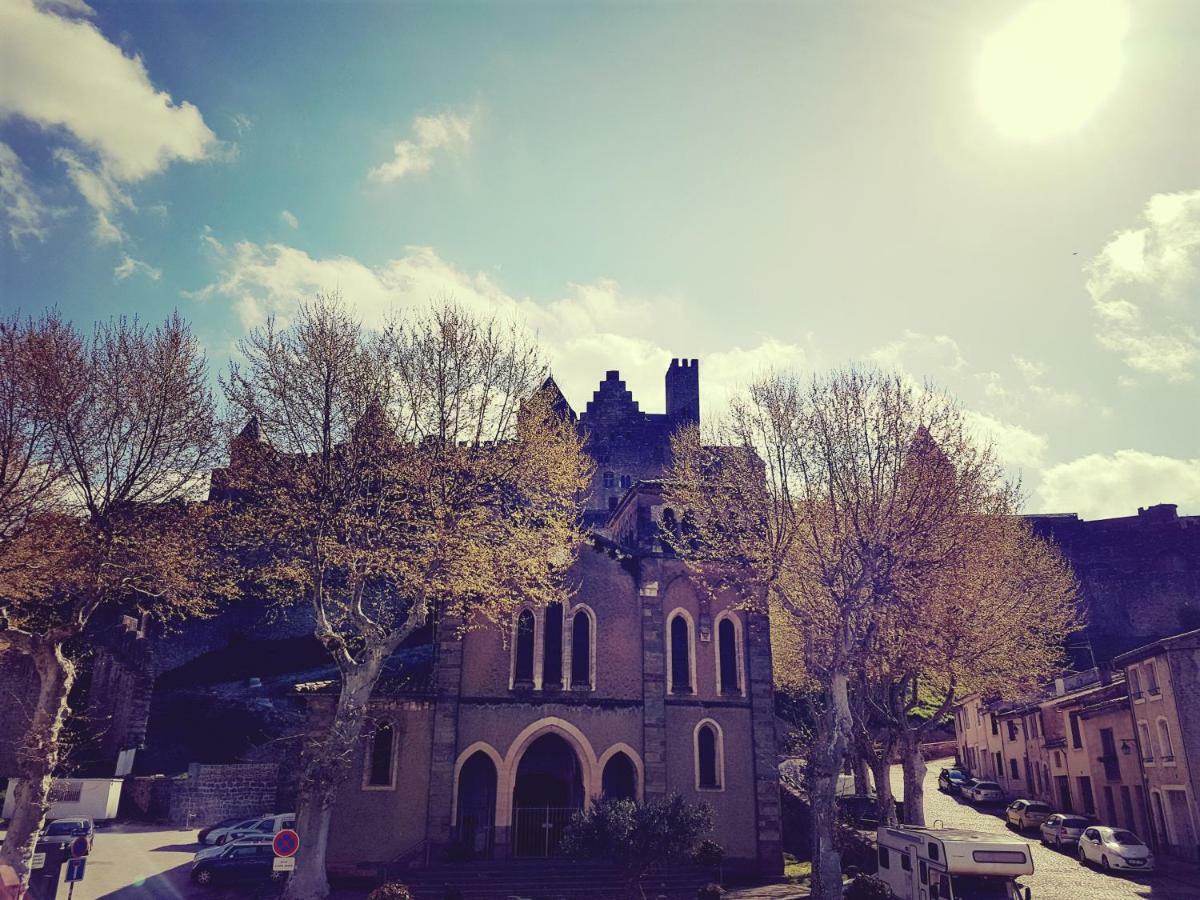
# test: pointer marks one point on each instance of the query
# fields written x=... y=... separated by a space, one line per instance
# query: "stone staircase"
x=547 y=879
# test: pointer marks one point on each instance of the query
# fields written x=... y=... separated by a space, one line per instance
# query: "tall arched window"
x=581 y=650
x=552 y=664
x=709 y=757
x=619 y=781
x=381 y=753
x=728 y=656
x=1164 y=741
x=523 y=664
x=681 y=655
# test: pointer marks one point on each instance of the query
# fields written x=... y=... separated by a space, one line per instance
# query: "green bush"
x=393 y=890
x=708 y=854
x=867 y=887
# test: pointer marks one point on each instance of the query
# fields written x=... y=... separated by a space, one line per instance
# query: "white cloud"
x=1144 y=284
x=445 y=132
x=1015 y=445
x=72 y=78
x=589 y=330
x=289 y=219
x=1103 y=486
x=130 y=266
x=923 y=355
x=24 y=210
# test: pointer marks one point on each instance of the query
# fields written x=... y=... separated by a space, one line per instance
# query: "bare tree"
x=390 y=477
x=840 y=502
x=129 y=434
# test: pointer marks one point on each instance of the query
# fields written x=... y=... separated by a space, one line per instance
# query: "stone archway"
x=548 y=789
x=475 y=815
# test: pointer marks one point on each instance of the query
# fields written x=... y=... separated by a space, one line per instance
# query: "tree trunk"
x=39 y=755
x=913 y=762
x=861 y=771
x=885 y=798
x=327 y=759
x=834 y=727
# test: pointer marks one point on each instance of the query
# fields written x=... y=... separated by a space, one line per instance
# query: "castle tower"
x=683 y=391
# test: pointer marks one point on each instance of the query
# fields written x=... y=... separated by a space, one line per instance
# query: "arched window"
x=728 y=656
x=619 y=781
x=1135 y=683
x=709 y=757
x=523 y=664
x=681 y=655
x=552 y=663
x=380 y=756
x=581 y=650
x=1164 y=741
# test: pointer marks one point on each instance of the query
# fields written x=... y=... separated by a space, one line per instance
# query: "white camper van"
x=952 y=864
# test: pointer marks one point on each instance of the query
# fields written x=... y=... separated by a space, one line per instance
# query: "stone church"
x=640 y=686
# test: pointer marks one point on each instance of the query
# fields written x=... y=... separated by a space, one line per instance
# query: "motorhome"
x=952 y=864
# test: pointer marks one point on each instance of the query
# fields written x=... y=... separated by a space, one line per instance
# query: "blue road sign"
x=75 y=869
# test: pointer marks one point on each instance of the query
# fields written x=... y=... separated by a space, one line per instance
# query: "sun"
x=1048 y=69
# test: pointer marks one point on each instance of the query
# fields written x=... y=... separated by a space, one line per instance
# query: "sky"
x=1000 y=197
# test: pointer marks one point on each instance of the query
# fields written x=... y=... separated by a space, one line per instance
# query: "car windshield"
x=1038 y=808
x=955 y=775
x=981 y=887
x=61 y=828
x=1127 y=838
x=987 y=785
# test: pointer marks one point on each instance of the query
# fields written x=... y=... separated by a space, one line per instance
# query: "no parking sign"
x=286 y=842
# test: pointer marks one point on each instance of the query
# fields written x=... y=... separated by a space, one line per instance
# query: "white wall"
x=98 y=798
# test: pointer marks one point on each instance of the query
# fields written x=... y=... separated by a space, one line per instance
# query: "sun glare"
x=1047 y=70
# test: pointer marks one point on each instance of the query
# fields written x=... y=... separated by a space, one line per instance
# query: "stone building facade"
x=640 y=686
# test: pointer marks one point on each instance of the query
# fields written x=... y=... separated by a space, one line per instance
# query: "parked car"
x=260 y=825
x=1026 y=815
x=63 y=832
x=240 y=861
x=202 y=837
x=951 y=781
x=1114 y=848
x=220 y=835
x=985 y=792
x=210 y=852
x=1064 y=828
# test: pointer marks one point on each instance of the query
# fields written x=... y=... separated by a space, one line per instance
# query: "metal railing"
x=538 y=830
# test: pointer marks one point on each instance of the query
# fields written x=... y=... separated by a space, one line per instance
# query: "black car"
x=237 y=863
x=952 y=781
x=63 y=832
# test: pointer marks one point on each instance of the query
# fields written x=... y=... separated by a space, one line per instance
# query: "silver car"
x=1063 y=829
x=985 y=792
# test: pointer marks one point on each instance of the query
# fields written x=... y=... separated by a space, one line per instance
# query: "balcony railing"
x=1168 y=757
x=1153 y=691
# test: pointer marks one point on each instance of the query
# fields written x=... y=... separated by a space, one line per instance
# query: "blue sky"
x=758 y=184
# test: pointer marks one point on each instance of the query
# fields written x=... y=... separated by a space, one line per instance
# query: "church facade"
x=640 y=685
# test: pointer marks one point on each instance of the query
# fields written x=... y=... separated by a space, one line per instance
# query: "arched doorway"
x=547 y=792
x=474 y=830
x=620 y=778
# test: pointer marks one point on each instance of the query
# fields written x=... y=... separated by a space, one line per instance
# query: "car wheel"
x=1104 y=864
x=1082 y=855
x=202 y=876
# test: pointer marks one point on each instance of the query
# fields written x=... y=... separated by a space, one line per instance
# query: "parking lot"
x=1058 y=876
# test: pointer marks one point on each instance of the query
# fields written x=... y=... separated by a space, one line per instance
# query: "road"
x=1057 y=876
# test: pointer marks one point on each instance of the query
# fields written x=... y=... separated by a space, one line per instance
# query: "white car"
x=1025 y=815
x=1115 y=848
x=256 y=825
x=985 y=792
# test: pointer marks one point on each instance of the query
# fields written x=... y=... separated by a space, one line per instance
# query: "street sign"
x=286 y=843
x=75 y=869
x=39 y=860
x=79 y=847
x=284 y=864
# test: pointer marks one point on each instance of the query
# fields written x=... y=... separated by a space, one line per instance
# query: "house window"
x=709 y=756
x=1144 y=739
x=1085 y=792
x=612 y=503
x=885 y=859
x=727 y=656
x=552 y=650
x=523 y=665
x=1076 y=737
x=1151 y=679
x=609 y=480
x=1135 y=683
x=382 y=752
x=581 y=650
x=1166 y=750
x=626 y=481
x=681 y=654
x=1012 y=768
x=995 y=724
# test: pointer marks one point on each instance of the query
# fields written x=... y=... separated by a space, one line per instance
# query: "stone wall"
x=208 y=794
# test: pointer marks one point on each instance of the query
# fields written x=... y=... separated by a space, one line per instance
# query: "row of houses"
x=1121 y=743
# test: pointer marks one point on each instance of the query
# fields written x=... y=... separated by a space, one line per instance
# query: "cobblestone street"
x=1057 y=876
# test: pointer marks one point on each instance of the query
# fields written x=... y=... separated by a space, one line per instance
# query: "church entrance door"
x=474 y=831
x=547 y=793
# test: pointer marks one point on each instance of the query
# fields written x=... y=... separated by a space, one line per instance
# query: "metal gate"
x=538 y=830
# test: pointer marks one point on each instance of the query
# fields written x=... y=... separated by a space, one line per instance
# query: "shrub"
x=867 y=887
x=710 y=892
x=393 y=890
x=708 y=854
